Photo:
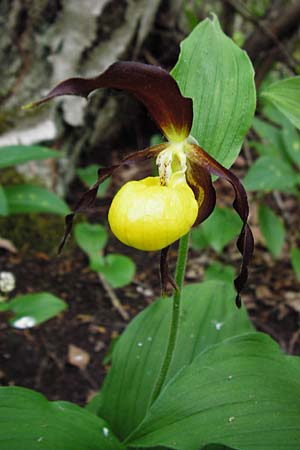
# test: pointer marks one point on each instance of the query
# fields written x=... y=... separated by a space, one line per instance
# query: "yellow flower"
x=150 y=216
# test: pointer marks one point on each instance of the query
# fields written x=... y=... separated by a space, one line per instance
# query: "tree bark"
x=266 y=44
x=45 y=41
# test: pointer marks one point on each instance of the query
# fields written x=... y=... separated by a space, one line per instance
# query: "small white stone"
x=7 y=282
x=24 y=322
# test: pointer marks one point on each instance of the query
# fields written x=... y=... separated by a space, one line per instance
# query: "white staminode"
x=171 y=160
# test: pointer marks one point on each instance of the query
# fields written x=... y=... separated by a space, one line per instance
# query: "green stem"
x=179 y=277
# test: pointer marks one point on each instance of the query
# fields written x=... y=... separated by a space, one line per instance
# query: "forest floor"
x=40 y=358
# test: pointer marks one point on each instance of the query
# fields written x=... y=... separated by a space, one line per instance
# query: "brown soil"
x=38 y=358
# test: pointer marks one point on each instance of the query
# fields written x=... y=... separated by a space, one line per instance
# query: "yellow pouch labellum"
x=148 y=216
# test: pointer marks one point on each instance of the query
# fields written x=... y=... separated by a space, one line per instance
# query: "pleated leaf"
x=19 y=154
x=3 y=203
x=268 y=173
x=209 y=315
x=243 y=393
x=295 y=260
x=28 y=421
x=26 y=198
x=33 y=309
x=272 y=229
x=218 y=76
x=285 y=95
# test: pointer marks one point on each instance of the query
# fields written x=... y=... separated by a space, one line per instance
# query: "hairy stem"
x=179 y=277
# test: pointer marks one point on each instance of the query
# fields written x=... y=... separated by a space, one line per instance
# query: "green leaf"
x=243 y=392
x=271 y=136
x=285 y=95
x=295 y=259
x=221 y=272
x=88 y=175
x=288 y=138
x=267 y=174
x=291 y=141
x=219 y=77
x=91 y=238
x=3 y=203
x=208 y=233
x=216 y=447
x=272 y=229
x=118 y=270
x=265 y=149
x=3 y=306
x=19 y=154
x=209 y=315
x=26 y=198
x=33 y=309
x=28 y=421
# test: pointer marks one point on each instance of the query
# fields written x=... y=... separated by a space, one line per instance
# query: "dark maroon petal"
x=245 y=243
x=165 y=275
x=152 y=85
x=199 y=179
x=88 y=198
x=85 y=202
x=150 y=152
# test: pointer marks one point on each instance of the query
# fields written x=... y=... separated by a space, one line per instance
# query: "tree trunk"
x=45 y=41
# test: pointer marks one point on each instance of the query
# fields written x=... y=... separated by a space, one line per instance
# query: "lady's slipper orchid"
x=153 y=213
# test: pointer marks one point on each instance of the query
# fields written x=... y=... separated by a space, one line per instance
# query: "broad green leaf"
x=295 y=259
x=208 y=233
x=19 y=154
x=265 y=149
x=218 y=76
x=3 y=203
x=272 y=138
x=285 y=95
x=28 y=421
x=91 y=238
x=209 y=315
x=243 y=393
x=3 y=306
x=93 y=405
x=88 y=175
x=118 y=270
x=221 y=272
x=272 y=229
x=26 y=198
x=291 y=139
x=267 y=174
x=288 y=138
x=216 y=447
x=33 y=309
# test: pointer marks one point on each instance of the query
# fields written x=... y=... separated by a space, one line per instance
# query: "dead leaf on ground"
x=292 y=299
x=7 y=245
x=78 y=357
